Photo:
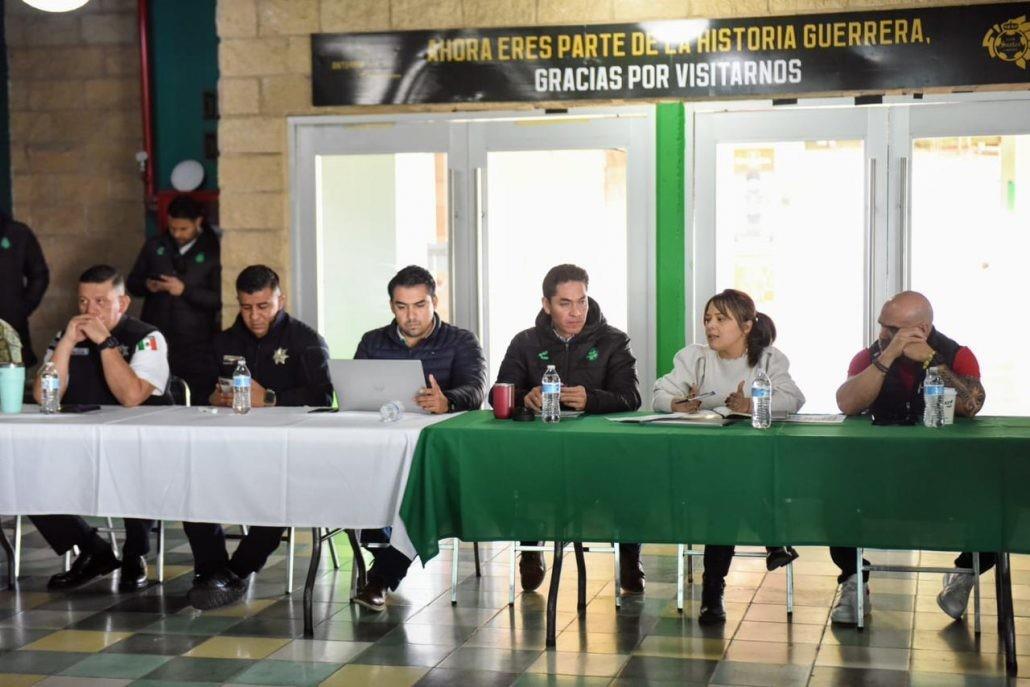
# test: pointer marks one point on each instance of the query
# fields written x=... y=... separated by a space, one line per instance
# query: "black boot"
x=134 y=574
x=712 y=611
x=217 y=589
x=631 y=574
x=531 y=569
x=779 y=557
x=87 y=567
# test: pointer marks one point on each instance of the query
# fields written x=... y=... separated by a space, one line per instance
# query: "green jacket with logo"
x=598 y=358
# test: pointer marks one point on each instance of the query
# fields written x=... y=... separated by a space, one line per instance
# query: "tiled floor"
x=95 y=637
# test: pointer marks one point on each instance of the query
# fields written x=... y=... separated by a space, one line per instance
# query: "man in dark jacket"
x=598 y=373
x=23 y=280
x=179 y=276
x=289 y=366
x=455 y=372
x=104 y=357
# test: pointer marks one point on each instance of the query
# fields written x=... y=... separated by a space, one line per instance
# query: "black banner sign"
x=684 y=59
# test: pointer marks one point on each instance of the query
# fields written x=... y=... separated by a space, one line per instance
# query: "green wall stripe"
x=671 y=225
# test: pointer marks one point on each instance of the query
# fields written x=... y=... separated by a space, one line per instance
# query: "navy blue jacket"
x=451 y=354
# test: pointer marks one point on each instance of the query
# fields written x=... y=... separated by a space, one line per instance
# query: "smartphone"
x=79 y=408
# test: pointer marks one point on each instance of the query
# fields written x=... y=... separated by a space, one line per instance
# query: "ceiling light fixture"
x=56 y=5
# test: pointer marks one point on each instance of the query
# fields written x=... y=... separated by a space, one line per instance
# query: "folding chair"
x=690 y=554
x=579 y=549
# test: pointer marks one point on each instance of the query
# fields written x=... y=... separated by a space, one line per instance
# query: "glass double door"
x=822 y=214
x=487 y=205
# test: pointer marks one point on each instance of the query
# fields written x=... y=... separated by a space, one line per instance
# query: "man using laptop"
x=455 y=379
x=598 y=374
x=289 y=365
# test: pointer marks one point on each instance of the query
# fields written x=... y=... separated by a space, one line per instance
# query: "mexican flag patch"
x=147 y=344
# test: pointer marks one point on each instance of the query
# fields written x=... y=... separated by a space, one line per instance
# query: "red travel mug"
x=502 y=398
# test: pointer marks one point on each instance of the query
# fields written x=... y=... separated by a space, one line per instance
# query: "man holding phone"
x=598 y=374
x=103 y=356
x=179 y=276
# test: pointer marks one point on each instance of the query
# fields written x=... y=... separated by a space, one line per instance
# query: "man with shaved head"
x=886 y=380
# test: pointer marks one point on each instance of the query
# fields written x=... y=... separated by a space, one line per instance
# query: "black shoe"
x=372 y=597
x=631 y=575
x=779 y=557
x=134 y=574
x=86 y=568
x=531 y=569
x=217 y=589
x=712 y=611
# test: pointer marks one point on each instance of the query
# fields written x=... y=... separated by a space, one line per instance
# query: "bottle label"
x=50 y=384
x=551 y=388
x=759 y=393
x=241 y=382
x=933 y=390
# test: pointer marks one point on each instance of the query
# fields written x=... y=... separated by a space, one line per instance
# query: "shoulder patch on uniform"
x=544 y=355
x=148 y=343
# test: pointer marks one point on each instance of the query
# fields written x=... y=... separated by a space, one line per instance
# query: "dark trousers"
x=390 y=566
x=717 y=561
x=63 y=532
x=627 y=552
x=844 y=557
x=207 y=540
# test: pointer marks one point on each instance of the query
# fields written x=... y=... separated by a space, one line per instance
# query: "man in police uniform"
x=103 y=357
x=23 y=279
x=455 y=378
x=179 y=276
x=289 y=366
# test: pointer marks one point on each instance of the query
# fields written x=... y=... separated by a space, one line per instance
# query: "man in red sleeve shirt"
x=886 y=380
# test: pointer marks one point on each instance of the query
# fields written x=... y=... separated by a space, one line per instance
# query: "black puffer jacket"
x=451 y=354
x=23 y=280
x=598 y=358
x=194 y=316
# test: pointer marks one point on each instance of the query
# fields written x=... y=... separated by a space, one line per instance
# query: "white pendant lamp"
x=56 y=5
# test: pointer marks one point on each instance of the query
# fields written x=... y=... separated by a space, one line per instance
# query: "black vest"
x=86 y=383
x=894 y=399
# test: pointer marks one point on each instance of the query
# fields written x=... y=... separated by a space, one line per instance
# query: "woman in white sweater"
x=739 y=345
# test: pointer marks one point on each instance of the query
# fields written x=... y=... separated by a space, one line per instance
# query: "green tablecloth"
x=961 y=487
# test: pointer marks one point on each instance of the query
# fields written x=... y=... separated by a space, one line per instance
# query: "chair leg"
x=332 y=551
x=679 y=577
x=790 y=590
x=618 y=575
x=358 y=576
x=511 y=573
x=690 y=565
x=160 y=551
x=112 y=536
x=17 y=547
x=291 y=544
x=976 y=593
x=475 y=552
x=8 y=555
x=454 y=571
x=860 y=604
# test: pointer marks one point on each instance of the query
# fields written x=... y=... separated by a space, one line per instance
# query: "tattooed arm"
x=970 y=392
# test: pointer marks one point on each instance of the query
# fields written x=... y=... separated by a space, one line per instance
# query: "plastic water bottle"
x=550 y=388
x=391 y=411
x=761 y=401
x=241 y=388
x=933 y=397
x=50 y=389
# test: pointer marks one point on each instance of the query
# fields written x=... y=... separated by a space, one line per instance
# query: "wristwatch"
x=109 y=342
x=269 y=397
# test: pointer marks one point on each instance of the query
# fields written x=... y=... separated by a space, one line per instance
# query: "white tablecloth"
x=274 y=466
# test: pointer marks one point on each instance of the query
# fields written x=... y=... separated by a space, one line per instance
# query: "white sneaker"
x=846 y=610
x=954 y=598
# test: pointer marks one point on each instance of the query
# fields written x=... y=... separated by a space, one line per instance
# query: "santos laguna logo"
x=1010 y=41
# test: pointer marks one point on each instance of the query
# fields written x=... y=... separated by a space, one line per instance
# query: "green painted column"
x=671 y=230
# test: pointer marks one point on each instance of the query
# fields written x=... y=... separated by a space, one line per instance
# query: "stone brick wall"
x=265 y=67
x=75 y=129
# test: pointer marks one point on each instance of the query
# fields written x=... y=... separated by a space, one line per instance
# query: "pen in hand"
x=698 y=397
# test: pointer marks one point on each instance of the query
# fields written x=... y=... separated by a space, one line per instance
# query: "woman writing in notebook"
x=739 y=345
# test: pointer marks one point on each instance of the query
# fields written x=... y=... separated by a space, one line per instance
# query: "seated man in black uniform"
x=289 y=365
x=598 y=374
x=103 y=357
x=455 y=372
